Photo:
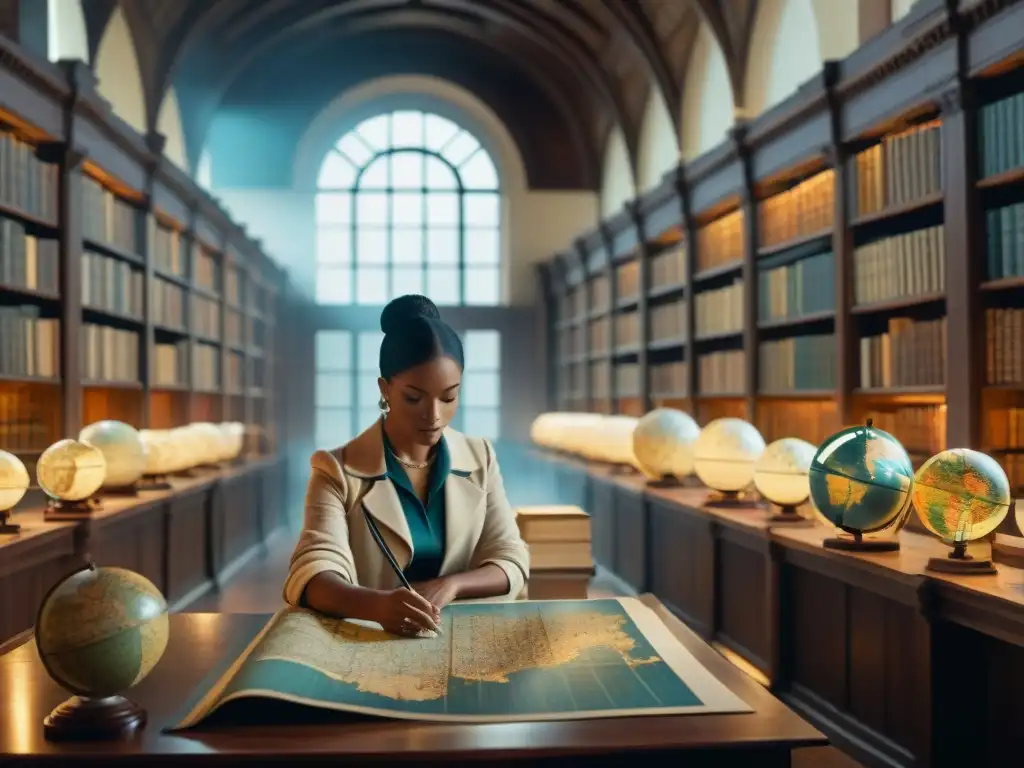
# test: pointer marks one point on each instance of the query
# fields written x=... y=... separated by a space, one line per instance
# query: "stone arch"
x=658 y=152
x=117 y=73
x=785 y=52
x=169 y=124
x=708 y=102
x=901 y=8
x=617 y=183
x=67 y=37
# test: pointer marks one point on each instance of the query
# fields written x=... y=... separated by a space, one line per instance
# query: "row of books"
x=598 y=293
x=600 y=378
x=205 y=273
x=1001 y=124
x=720 y=242
x=111 y=285
x=170 y=364
x=667 y=322
x=573 y=303
x=722 y=373
x=168 y=249
x=233 y=327
x=1013 y=466
x=205 y=318
x=798 y=363
x=669 y=267
x=1005 y=429
x=901 y=170
x=27 y=420
x=910 y=354
x=1004 y=346
x=232 y=287
x=168 y=304
x=574 y=374
x=29 y=344
x=911 y=264
x=109 y=354
x=627 y=380
x=720 y=310
x=795 y=290
x=26 y=182
x=205 y=368
x=920 y=428
x=107 y=219
x=627 y=281
x=807 y=208
x=627 y=330
x=600 y=334
x=27 y=261
x=1005 y=241
x=257 y=368
x=669 y=379
x=810 y=420
x=234 y=376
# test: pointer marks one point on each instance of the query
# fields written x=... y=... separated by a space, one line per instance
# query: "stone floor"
x=256 y=588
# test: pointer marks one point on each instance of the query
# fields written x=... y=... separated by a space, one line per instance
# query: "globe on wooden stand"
x=123 y=451
x=159 y=453
x=781 y=477
x=860 y=482
x=961 y=496
x=99 y=632
x=663 y=446
x=14 y=483
x=70 y=472
x=723 y=458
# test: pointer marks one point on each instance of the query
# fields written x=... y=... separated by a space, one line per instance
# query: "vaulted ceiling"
x=591 y=63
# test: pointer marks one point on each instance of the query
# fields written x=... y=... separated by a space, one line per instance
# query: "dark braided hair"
x=414 y=333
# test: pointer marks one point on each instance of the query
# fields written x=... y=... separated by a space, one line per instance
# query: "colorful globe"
x=860 y=480
x=781 y=474
x=663 y=443
x=961 y=495
x=101 y=630
x=122 y=448
x=725 y=453
x=70 y=470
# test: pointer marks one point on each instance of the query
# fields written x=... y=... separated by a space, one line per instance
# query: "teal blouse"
x=426 y=521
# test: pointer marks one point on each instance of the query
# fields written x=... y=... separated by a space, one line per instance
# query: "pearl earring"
x=383 y=405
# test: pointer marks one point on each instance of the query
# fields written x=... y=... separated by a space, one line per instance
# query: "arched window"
x=408 y=202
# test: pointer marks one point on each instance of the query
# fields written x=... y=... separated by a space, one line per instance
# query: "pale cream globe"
x=185 y=449
x=159 y=452
x=725 y=453
x=615 y=440
x=782 y=474
x=14 y=481
x=235 y=433
x=70 y=470
x=663 y=443
x=209 y=441
x=122 y=448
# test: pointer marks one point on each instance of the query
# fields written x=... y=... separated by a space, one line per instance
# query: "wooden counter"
x=899 y=665
x=184 y=540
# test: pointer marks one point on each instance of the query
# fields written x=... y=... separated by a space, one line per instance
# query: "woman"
x=435 y=496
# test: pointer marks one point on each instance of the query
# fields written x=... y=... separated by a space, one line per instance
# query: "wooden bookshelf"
x=857 y=251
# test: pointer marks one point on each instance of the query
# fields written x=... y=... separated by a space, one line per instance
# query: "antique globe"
x=71 y=471
x=234 y=432
x=186 y=448
x=14 y=482
x=961 y=496
x=123 y=450
x=615 y=440
x=724 y=456
x=781 y=475
x=209 y=442
x=159 y=452
x=99 y=632
x=663 y=444
x=860 y=481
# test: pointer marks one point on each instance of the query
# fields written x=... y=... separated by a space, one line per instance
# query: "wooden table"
x=202 y=645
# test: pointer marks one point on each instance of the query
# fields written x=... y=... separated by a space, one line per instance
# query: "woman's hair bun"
x=402 y=309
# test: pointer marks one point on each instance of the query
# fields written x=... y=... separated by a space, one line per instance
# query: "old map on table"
x=495 y=662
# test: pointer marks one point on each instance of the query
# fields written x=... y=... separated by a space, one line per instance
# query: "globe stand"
x=731 y=499
x=857 y=543
x=7 y=527
x=960 y=563
x=788 y=515
x=155 y=483
x=668 y=481
x=57 y=510
x=81 y=718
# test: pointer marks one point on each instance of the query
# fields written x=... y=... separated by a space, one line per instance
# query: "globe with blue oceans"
x=861 y=479
x=100 y=631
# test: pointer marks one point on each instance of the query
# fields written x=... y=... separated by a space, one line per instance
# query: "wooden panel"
x=26 y=575
x=188 y=542
x=133 y=541
x=630 y=531
x=241 y=518
x=602 y=522
x=742 y=605
x=681 y=566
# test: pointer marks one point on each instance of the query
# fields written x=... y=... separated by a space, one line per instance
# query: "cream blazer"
x=481 y=524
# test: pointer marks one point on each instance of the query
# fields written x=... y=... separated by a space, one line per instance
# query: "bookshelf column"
x=611 y=364
x=689 y=297
x=188 y=248
x=225 y=354
x=965 y=356
x=748 y=204
x=545 y=318
x=643 y=255
x=579 y=253
x=155 y=142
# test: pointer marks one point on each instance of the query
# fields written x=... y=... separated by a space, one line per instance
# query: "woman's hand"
x=439 y=592
x=402 y=612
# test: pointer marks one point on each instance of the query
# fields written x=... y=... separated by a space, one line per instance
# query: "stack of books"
x=561 y=564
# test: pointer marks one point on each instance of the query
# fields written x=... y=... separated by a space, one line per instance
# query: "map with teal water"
x=493 y=662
